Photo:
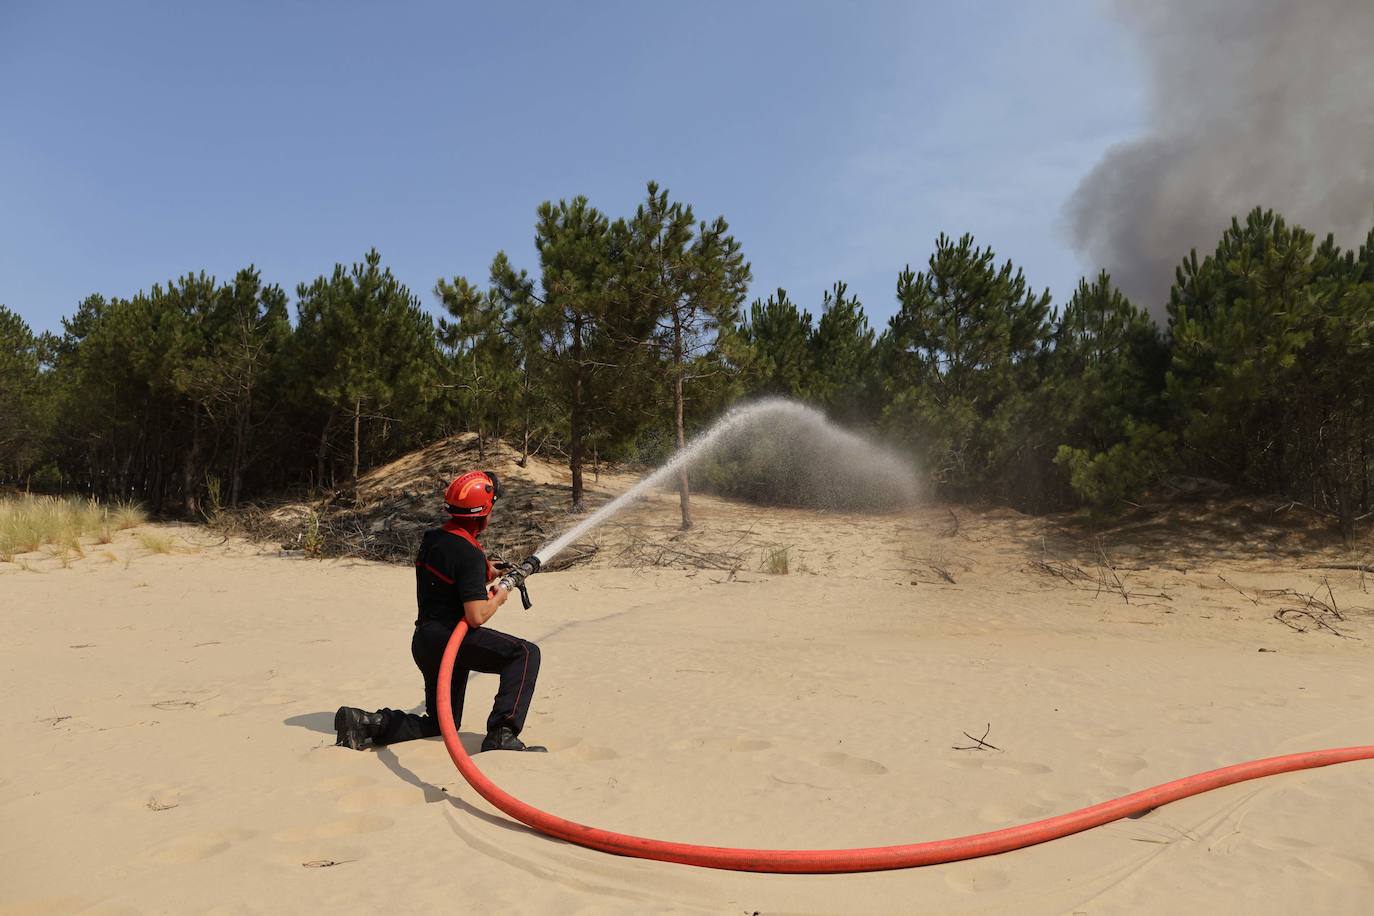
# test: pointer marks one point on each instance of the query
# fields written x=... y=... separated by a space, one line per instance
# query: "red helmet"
x=471 y=494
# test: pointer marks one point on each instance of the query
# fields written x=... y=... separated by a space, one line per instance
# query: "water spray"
x=891 y=469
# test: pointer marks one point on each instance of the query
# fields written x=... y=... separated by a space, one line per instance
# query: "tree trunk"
x=525 y=415
x=188 y=470
x=357 y=430
x=323 y=450
x=683 y=487
x=242 y=430
x=575 y=418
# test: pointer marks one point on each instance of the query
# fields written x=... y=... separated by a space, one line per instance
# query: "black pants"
x=483 y=649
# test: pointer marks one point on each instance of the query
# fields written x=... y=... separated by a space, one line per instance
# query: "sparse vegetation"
x=312 y=541
x=29 y=523
x=155 y=543
x=777 y=561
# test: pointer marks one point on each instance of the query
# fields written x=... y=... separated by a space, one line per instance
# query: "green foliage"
x=776 y=561
x=1271 y=379
x=963 y=358
x=366 y=357
x=1105 y=479
x=844 y=379
x=629 y=337
x=578 y=327
x=480 y=366
x=778 y=335
x=1105 y=377
x=22 y=416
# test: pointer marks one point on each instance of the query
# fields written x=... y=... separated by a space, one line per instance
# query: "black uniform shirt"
x=448 y=571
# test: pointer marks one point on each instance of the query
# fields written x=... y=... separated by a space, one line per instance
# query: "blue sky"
x=141 y=141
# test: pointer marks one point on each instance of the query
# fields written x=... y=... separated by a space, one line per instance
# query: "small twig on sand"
x=979 y=744
x=1238 y=588
x=952 y=531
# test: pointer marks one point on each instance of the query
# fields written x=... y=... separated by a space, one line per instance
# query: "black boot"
x=503 y=739
x=357 y=729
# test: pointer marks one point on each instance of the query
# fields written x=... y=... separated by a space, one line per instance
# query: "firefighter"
x=455 y=581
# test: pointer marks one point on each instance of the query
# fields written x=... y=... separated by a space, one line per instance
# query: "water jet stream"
x=872 y=460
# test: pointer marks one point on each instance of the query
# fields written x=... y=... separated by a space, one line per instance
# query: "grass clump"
x=155 y=543
x=777 y=561
x=126 y=515
x=28 y=523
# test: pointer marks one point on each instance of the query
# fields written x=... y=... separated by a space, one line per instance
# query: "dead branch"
x=979 y=744
x=1291 y=618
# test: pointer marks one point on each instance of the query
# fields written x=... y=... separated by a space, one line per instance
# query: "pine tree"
x=578 y=327
x=1105 y=384
x=21 y=413
x=366 y=353
x=778 y=337
x=965 y=349
x=690 y=279
x=249 y=330
x=480 y=360
x=843 y=372
x=1271 y=377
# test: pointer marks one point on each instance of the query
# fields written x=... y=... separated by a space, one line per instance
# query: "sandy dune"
x=171 y=749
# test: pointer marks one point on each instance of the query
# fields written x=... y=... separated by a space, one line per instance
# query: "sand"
x=171 y=749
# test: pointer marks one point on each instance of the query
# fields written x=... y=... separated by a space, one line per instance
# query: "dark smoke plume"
x=1253 y=103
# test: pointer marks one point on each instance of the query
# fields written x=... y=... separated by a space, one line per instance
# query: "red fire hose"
x=876 y=858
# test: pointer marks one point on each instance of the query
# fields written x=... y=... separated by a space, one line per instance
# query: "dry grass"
x=777 y=561
x=28 y=523
x=155 y=543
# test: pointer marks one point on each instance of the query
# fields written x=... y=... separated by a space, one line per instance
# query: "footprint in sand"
x=348 y=826
x=735 y=745
x=1096 y=733
x=860 y=765
x=199 y=846
x=977 y=879
x=1012 y=767
x=575 y=748
x=350 y=781
x=590 y=752
x=1006 y=814
x=372 y=799
x=748 y=745
x=1118 y=764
